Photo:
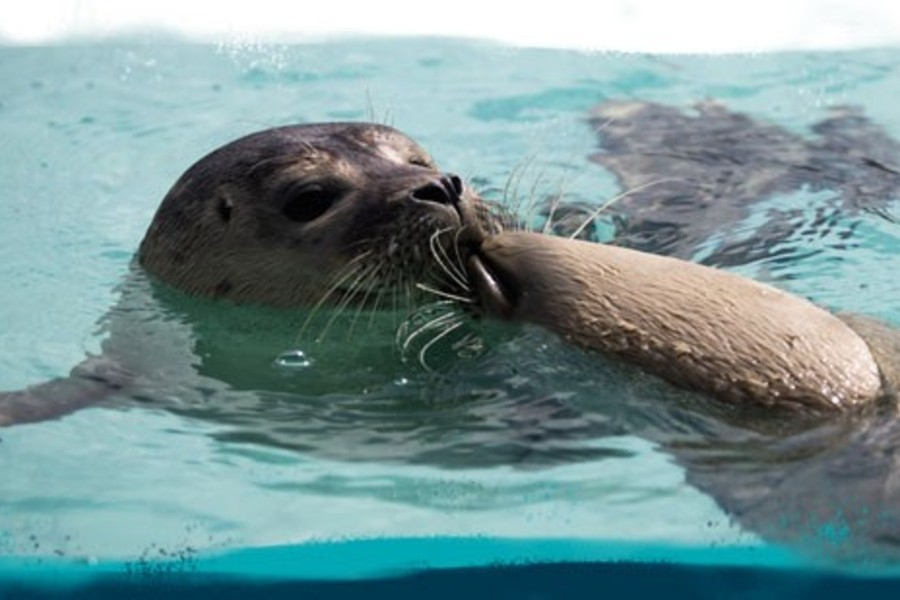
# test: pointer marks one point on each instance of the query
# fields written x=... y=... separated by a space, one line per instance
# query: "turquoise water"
x=95 y=134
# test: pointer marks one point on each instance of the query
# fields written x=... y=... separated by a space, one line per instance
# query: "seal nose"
x=445 y=189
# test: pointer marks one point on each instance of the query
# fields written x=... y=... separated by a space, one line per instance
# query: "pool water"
x=523 y=441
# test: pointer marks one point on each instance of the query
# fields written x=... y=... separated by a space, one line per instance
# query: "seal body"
x=695 y=326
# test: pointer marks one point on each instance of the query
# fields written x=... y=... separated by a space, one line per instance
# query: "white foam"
x=624 y=25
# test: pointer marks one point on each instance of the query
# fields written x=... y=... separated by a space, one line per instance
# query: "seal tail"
x=89 y=383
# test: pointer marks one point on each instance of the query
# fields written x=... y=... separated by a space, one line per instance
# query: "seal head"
x=296 y=215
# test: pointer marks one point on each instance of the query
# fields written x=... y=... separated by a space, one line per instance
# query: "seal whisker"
x=430 y=307
x=596 y=213
x=348 y=271
x=408 y=296
x=395 y=301
x=513 y=181
x=432 y=324
x=352 y=291
x=386 y=117
x=548 y=224
x=382 y=292
x=443 y=259
x=557 y=200
x=470 y=342
x=443 y=294
x=419 y=312
x=527 y=205
x=557 y=196
x=461 y=267
x=424 y=351
x=366 y=287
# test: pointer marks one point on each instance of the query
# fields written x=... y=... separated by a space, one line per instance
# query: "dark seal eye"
x=309 y=203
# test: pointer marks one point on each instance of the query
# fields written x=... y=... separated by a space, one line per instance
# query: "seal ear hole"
x=224 y=208
x=308 y=205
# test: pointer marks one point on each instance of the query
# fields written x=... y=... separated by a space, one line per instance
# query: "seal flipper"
x=830 y=490
x=831 y=486
x=88 y=383
x=857 y=157
x=672 y=164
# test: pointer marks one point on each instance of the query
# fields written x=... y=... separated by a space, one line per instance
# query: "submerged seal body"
x=675 y=163
x=801 y=433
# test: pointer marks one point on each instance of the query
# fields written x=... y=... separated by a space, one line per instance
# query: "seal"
x=352 y=214
x=298 y=217
x=697 y=327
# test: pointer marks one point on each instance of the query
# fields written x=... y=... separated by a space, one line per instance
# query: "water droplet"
x=293 y=359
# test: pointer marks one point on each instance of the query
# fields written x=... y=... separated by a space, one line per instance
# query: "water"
x=524 y=439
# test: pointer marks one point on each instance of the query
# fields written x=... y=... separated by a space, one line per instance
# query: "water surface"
x=527 y=440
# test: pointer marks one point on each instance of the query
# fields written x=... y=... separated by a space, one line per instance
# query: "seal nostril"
x=445 y=190
x=433 y=192
x=455 y=183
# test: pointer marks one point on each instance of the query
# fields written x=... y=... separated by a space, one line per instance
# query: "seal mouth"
x=495 y=290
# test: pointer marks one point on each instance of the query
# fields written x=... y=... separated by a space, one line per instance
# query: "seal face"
x=298 y=215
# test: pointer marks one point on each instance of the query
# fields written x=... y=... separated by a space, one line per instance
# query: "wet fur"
x=697 y=327
x=222 y=232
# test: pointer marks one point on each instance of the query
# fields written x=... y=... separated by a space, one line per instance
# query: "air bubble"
x=293 y=359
